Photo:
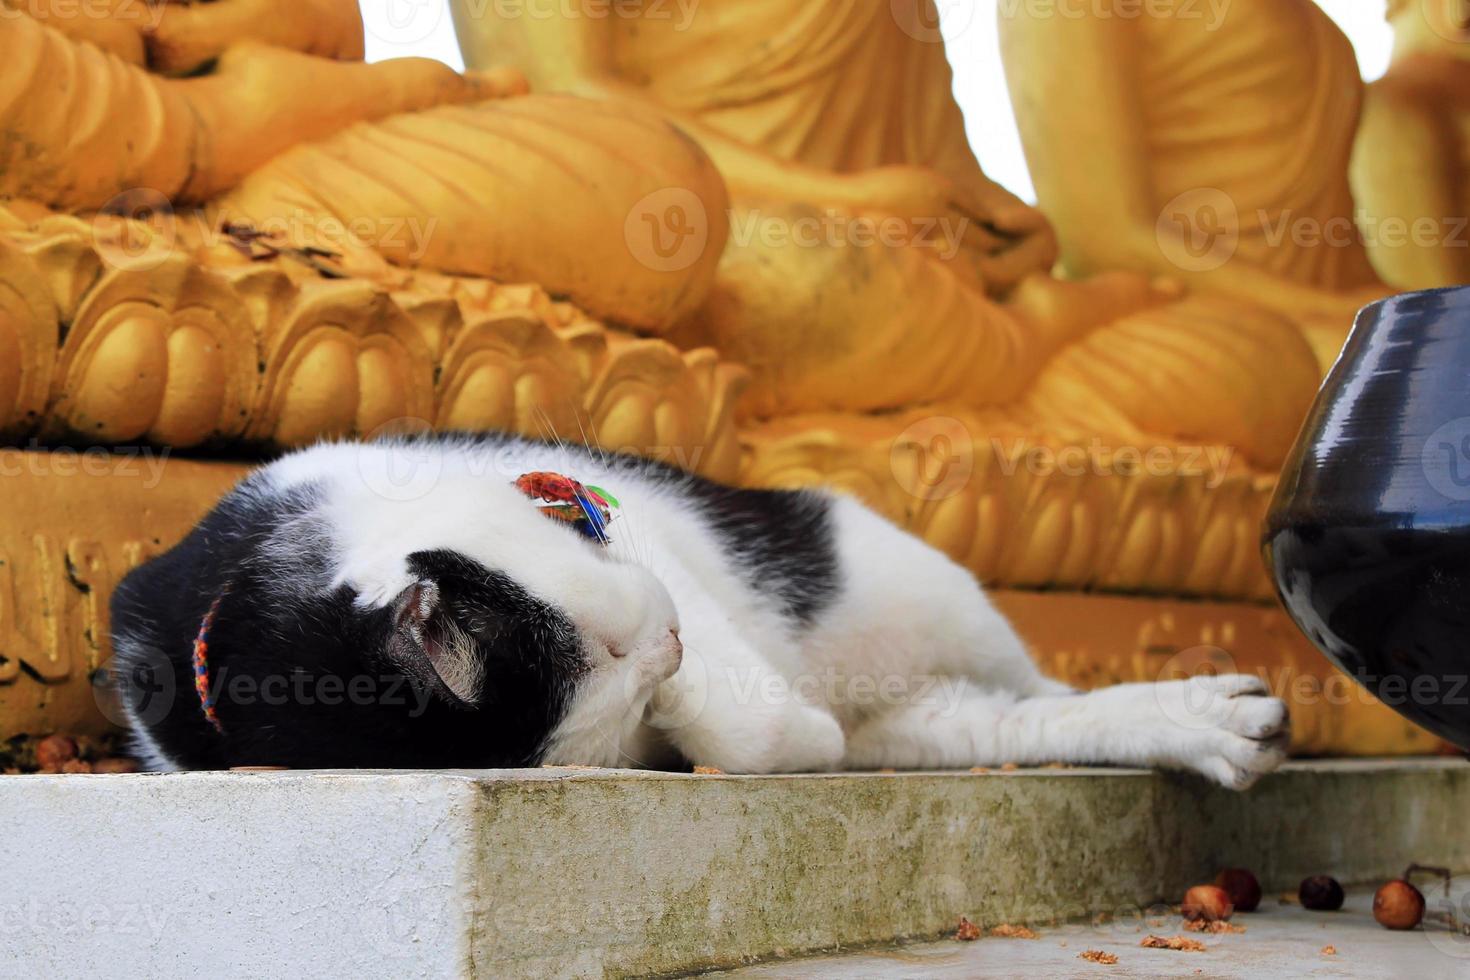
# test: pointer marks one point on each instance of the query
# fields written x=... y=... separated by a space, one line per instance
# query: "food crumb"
x=1009 y=767
x=1288 y=898
x=968 y=932
x=1217 y=927
x=1181 y=944
x=708 y=771
x=977 y=770
x=1098 y=956
x=1329 y=950
x=1007 y=931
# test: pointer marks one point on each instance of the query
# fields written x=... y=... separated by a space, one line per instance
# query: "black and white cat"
x=404 y=604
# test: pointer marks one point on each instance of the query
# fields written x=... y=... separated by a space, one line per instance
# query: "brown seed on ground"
x=1007 y=931
x=1207 y=902
x=968 y=932
x=55 y=751
x=1242 y=887
x=1098 y=956
x=1398 y=905
x=1320 y=893
x=1182 y=944
x=1329 y=950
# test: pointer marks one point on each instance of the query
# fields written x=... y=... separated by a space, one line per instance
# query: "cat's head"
x=339 y=628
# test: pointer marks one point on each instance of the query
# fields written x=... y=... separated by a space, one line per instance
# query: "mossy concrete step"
x=564 y=872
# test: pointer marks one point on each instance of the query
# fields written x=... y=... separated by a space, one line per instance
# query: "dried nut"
x=1207 y=902
x=1398 y=905
x=1320 y=893
x=1242 y=887
x=55 y=751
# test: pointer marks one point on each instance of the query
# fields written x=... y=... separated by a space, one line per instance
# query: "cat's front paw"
x=1228 y=728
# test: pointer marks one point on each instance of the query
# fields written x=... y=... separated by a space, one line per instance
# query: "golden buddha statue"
x=1411 y=164
x=1223 y=138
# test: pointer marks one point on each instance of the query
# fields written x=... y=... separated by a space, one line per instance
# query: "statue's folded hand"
x=997 y=237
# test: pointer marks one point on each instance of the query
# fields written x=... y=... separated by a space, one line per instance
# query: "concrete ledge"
x=600 y=873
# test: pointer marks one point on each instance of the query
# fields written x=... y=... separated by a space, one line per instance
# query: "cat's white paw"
x=813 y=742
x=1227 y=728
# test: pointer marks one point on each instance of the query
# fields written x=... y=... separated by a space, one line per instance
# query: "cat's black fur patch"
x=301 y=676
x=784 y=539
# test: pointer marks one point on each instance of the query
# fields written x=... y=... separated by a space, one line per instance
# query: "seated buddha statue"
x=838 y=111
x=1211 y=146
x=1411 y=164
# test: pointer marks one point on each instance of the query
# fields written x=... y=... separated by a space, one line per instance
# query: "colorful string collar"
x=588 y=509
x=201 y=665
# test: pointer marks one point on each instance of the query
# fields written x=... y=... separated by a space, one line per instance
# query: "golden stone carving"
x=74 y=522
x=179 y=351
x=1411 y=163
x=1029 y=508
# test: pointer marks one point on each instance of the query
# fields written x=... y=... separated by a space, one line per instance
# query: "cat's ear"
x=432 y=647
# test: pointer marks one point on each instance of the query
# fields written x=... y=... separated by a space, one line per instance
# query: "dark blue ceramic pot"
x=1368 y=537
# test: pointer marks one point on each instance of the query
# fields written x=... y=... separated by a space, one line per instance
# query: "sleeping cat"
x=482 y=601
